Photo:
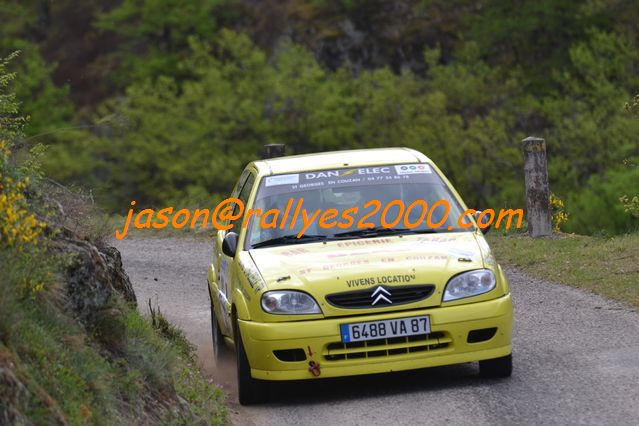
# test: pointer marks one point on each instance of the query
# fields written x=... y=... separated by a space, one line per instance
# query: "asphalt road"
x=576 y=358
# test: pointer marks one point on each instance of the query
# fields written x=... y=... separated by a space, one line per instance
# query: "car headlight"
x=469 y=284
x=289 y=302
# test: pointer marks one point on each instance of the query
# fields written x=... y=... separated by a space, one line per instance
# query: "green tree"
x=155 y=34
x=46 y=104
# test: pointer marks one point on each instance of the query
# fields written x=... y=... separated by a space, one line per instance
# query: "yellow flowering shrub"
x=559 y=215
x=17 y=226
x=630 y=205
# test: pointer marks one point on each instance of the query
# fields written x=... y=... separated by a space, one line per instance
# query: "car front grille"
x=396 y=295
x=394 y=346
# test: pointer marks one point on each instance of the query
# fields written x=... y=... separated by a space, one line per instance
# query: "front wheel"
x=219 y=347
x=496 y=368
x=249 y=390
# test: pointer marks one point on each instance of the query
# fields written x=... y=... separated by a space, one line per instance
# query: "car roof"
x=339 y=159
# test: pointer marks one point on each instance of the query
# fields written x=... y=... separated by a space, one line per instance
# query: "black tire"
x=219 y=347
x=496 y=368
x=249 y=390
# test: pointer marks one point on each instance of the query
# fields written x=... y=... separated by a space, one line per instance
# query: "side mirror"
x=484 y=230
x=229 y=244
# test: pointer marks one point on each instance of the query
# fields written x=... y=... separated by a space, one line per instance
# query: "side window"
x=244 y=195
x=240 y=183
x=238 y=186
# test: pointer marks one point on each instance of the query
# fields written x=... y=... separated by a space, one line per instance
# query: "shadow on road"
x=319 y=391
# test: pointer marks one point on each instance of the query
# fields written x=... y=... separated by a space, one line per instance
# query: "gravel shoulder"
x=576 y=357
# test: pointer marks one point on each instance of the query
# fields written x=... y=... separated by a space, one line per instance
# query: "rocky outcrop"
x=95 y=280
x=95 y=284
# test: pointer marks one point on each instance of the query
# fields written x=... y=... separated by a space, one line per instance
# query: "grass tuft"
x=69 y=377
x=606 y=266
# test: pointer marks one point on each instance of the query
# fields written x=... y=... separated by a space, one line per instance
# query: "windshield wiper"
x=427 y=231
x=373 y=232
x=290 y=239
x=380 y=230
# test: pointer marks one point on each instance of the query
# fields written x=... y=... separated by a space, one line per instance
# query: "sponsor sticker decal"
x=382 y=279
x=282 y=180
x=413 y=169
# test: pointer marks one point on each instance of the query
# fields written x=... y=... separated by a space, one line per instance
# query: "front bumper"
x=320 y=341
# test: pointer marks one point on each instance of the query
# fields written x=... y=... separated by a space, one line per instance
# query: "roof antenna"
x=273 y=150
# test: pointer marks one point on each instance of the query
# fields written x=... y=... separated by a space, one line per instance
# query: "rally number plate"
x=399 y=327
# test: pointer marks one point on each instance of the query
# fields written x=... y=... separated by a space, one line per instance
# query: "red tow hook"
x=314 y=368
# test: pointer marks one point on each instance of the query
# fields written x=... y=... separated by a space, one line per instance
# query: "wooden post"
x=537 y=189
x=273 y=150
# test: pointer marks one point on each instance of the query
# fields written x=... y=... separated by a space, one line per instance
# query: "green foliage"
x=595 y=208
x=68 y=377
x=171 y=332
x=53 y=370
x=46 y=105
x=11 y=124
x=528 y=33
x=189 y=102
x=478 y=138
x=186 y=141
x=20 y=230
x=585 y=120
x=630 y=206
x=159 y=30
x=238 y=101
x=213 y=125
x=633 y=106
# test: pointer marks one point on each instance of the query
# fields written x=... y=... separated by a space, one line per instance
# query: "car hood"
x=322 y=269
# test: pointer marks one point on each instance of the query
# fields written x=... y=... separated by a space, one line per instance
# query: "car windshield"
x=373 y=197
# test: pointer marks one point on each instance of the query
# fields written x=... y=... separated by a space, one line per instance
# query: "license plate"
x=399 y=327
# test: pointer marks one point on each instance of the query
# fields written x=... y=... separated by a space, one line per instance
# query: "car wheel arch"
x=240 y=306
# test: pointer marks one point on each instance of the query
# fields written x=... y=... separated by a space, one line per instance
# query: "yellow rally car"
x=298 y=299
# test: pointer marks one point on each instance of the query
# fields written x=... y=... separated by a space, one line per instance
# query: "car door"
x=226 y=276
